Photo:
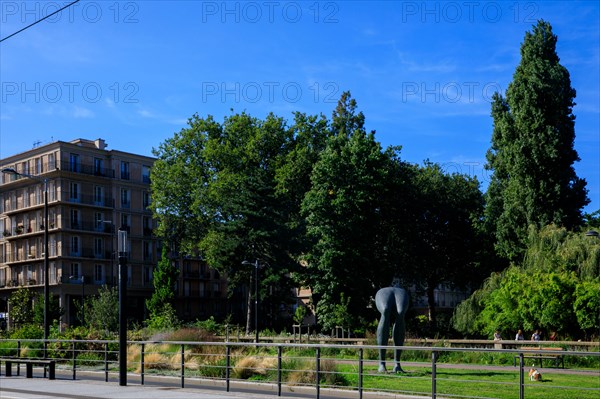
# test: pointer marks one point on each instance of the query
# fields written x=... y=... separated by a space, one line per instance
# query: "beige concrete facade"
x=92 y=191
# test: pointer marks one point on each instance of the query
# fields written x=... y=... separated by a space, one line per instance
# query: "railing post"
x=45 y=355
x=279 y=370
x=182 y=365
x=227 y=366
x=360 y=373
x=142 y=364
x=18 y=355
x=433 y=375
x=521 y=377
x=74 y=360
x=106 y=362
x=318 y=369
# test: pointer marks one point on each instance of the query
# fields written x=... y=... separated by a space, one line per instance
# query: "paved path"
x=93 y=386
x=39 y=388
x=65 y=388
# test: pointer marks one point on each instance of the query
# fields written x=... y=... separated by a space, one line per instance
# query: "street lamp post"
x=46 y=264
x=255 y=296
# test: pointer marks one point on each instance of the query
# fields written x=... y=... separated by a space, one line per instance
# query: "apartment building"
x=92 y=192
x=201 y=292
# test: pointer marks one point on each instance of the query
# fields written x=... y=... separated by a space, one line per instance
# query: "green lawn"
x=478 y=383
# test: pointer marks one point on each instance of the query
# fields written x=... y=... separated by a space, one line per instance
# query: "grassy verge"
x=476 y=383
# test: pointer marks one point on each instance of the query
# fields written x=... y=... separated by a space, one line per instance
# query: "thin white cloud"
x=80 y=112
x=168 y=119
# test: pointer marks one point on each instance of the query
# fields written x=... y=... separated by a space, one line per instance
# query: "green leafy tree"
x=532 y=153
x=300 y=314
x=234 y=211
x=555 y=289
x=343 y=213
x=160 y=304
x=586 y=305
x=20 y=304
x=102 y=311
x=446 y=242
x=55 y=311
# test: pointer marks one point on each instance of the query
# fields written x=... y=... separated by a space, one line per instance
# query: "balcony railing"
x=87 y=169
x=85 y=252
x=19 y=203
x=91 y=200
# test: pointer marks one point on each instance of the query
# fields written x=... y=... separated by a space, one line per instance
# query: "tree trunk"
x=431 y=306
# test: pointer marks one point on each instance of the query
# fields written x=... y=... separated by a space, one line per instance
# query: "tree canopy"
x=555 y=288
x=532 y=152
x=318 y=202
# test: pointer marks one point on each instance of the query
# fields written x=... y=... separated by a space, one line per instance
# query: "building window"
x=53 y=276
x=74 y=163
x=52 y=245
x=74 y=271
x=51 y=162
x=99 y=166
x=147 y=226
x=125 y=221
x=99 y=195
x=146 y=199
x=125 y=198
x=74 y=192
x=75 y=246
x=98 y=221
x=145 y=174
x=25 y=197
x=75 y=218
x=38 y=166
x=124 y=170
x=147 y=251
x=99 y=273
x=147 y=276
x=98 y=247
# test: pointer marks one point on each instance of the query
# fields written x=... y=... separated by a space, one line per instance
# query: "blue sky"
x=423 y=73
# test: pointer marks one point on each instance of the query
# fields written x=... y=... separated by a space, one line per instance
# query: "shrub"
x=253 y=365
x=89 y=359
x=28 y=331
x=304 y=372
x=209 y=325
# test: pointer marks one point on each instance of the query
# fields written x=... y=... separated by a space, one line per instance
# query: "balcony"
x=19 y=205
x=21 y=232
x=87 y=169
x=92 y=200
x=74 y=281
x=22 y=282
x=85 y=252
x=88 y=226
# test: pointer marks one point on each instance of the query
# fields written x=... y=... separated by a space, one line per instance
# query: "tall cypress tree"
x=532 y=155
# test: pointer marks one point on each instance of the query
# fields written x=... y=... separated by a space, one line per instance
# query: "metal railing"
x=310 y=369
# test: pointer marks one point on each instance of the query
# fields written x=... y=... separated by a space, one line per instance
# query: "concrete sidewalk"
x=39 y=388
